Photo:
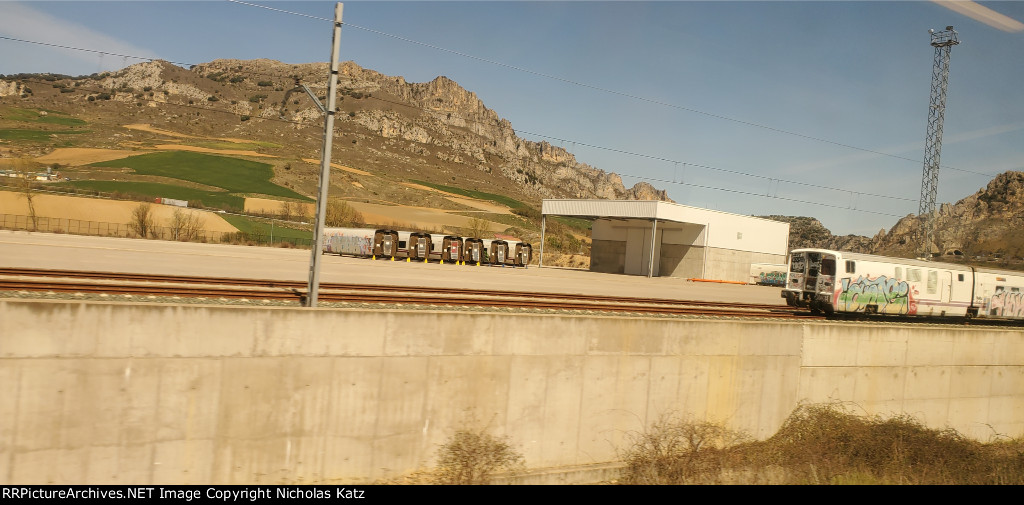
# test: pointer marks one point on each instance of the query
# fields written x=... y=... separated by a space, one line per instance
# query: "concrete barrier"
x=121 y=393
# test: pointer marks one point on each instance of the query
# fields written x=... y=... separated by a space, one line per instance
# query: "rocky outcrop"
x=982 y=226
x=444 y=120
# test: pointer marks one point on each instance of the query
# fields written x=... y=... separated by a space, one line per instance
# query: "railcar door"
x=824 y=282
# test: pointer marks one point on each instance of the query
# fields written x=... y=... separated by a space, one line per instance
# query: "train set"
x=840 y=282
x=425 y=247
x=820 y=280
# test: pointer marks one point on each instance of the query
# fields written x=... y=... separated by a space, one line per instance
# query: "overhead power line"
x=517 y=68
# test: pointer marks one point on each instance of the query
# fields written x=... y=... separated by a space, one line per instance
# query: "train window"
x=1014 y=290
x=797 y=264
x=828 y=266
x=933 y=281
x=914 y=274
x=960 y=277
x=851 y=267
x=899 y=273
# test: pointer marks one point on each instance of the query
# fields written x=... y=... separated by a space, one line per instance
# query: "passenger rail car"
x=416 y=246
x=844 y=282
x=361 y=242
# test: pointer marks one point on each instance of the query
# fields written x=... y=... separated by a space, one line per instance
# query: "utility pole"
x=943 y=42
x=325 y=164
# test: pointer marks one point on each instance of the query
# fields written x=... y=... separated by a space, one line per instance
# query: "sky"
x=801 y=108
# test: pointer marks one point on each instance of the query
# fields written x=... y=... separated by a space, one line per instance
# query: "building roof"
x=638 y=209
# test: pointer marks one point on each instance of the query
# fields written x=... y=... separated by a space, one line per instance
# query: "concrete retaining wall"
x=119 y=393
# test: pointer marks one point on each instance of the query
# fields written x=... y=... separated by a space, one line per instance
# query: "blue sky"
x=810 y=108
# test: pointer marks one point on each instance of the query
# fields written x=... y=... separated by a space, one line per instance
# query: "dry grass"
x=820 y=444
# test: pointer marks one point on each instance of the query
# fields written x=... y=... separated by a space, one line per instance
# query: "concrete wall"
x=732 y=265
x=608 y=256
x=681 y=250
x=682 y=261
x=121 y=393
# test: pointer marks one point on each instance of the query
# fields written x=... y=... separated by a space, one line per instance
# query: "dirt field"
x=339 y=167
x=230 y=152
x=150 y=129
x=269 y=206
x=84 y=156
x=88 y=209
x=99 y=210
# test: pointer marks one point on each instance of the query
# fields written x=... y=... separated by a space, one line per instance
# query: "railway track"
x=96 y=283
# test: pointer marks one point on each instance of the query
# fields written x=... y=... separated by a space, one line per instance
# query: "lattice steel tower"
x=943 y=42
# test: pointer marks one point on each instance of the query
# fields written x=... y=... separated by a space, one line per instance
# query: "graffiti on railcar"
x=772 y=279
x=350 y=245
x=889 y=295
x=1006 y=303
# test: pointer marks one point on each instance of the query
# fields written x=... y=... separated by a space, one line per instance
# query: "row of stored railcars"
x=831 y=281
x=416 y=246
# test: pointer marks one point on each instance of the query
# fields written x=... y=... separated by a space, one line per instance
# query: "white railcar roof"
x=349 y=231
x=847 y=255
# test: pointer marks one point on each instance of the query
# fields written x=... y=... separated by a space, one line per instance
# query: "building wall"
x=725 y=264
x=120 y=393
x=623 y=246
x=682 y=261
x=608 y=256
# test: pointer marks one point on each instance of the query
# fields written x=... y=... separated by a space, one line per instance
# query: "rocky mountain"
x=982 y=228
x=435 y=131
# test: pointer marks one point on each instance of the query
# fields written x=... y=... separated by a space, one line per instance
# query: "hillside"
x=433 y=147
x=436 y=132
x=981 y=229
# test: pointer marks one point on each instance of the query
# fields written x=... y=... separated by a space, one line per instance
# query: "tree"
x=142 y=220
x=185 y=226
x=478 y=228
x=286 y=211
x=340 y=213
x=27 y=167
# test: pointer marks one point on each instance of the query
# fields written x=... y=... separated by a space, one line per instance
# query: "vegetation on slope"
x=233 y=174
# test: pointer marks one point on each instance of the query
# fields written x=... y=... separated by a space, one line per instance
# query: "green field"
x=235 y=175
x=32 y=115
x=215 y=199
x=33 y=135
x=263 y=229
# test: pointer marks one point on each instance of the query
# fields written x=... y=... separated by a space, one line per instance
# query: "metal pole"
x=704 y=261
x=654 y=235
x=325 y=164
x=540 y=262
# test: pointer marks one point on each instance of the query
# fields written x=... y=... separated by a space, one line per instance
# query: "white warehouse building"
x=654 y=238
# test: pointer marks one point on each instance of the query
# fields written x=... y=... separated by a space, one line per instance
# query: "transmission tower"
x=943 y=42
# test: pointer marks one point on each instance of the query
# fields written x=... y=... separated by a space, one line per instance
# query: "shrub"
x=340 y=213
x=471 y=457
x=679 y=451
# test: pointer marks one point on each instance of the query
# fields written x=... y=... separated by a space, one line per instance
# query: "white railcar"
x=998 y=294
x=768 y=274
x=364 y=242
x=844 y=282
